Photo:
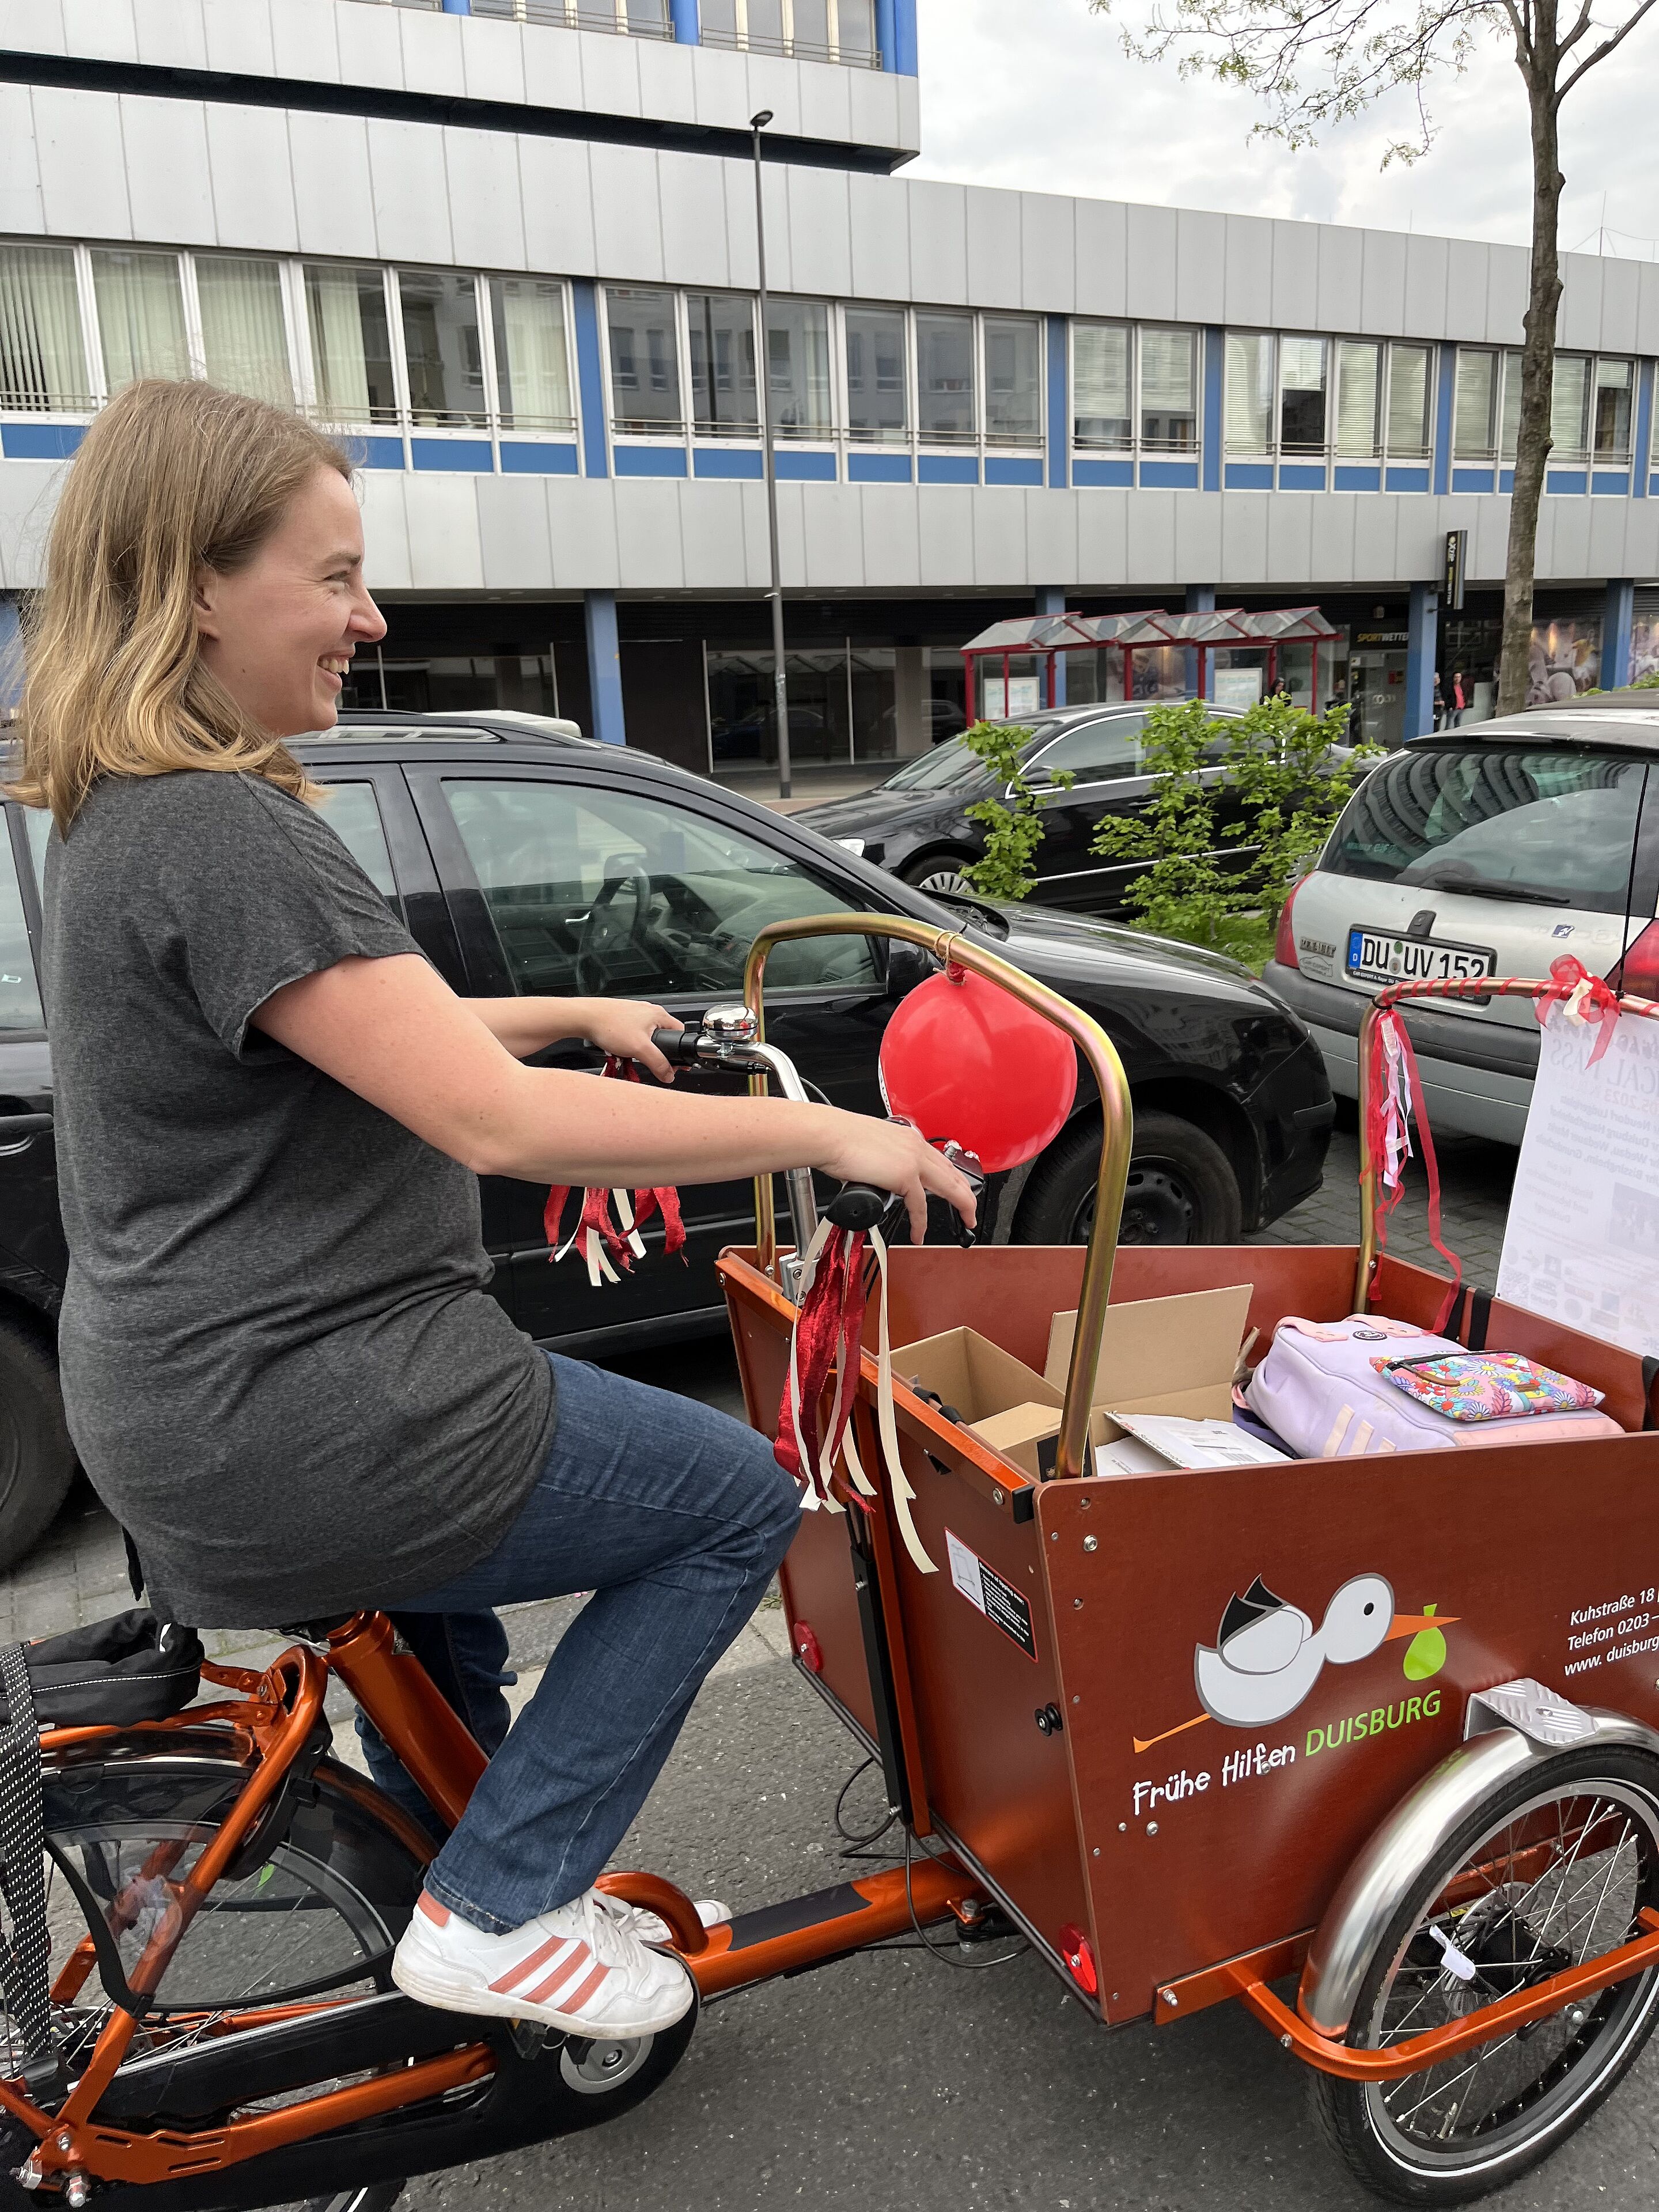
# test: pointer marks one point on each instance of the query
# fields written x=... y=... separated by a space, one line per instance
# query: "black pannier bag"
x=111 y=1673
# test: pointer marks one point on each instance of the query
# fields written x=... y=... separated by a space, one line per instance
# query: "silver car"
x=1474 y=852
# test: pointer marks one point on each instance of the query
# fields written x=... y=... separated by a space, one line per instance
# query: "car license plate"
x=1374 y=958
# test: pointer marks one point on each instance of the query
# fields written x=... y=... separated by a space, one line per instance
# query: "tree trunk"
x=1539 y=71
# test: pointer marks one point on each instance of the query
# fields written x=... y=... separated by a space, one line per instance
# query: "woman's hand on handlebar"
x=623 y=1026
x=897 y=1158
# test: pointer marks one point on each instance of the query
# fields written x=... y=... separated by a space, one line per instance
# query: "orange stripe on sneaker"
x=530 y=1962
x=578 y=1997
x=578 y=1959
x=437 y=1914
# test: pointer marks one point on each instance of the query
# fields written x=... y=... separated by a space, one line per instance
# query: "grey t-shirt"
x=282 y=1369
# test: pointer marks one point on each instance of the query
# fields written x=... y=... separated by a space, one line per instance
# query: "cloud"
x=1039 y=95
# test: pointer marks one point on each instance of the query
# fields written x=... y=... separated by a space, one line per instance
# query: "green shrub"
x=1012 y=833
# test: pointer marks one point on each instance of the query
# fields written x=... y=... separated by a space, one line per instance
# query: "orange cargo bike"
x=1433 y=1874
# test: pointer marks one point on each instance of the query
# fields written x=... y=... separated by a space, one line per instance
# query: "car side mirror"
x=907 y=966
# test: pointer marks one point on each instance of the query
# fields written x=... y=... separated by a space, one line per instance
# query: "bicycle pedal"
x=531 y=2036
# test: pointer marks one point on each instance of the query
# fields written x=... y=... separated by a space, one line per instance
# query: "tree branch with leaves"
x=1316 y=63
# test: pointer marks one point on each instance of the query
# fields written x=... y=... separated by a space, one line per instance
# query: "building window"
x=644 y=369
x=1611 y=411
x=244 y=329
x=876 y=406
x=1248 y=400
x=1409 y=397
x=43 y=360
x=643 y=19
x=1102 y=415
x=1358 y=398
x=945 y=413
x=351 y=344
x=141 y=315
x=1013 y=380
x=443 y=348
x=1303 y=366
x=809 y=30
x=533 y=353
x=1382 y=400
x=798 y=367
x=1169 y=390
x=724 y=400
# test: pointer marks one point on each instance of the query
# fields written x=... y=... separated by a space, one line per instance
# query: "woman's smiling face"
x=279 y=632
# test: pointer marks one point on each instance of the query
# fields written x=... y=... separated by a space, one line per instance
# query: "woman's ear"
x=205 y=597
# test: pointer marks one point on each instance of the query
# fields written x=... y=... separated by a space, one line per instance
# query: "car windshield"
x=950 y=766
x=1547 y=828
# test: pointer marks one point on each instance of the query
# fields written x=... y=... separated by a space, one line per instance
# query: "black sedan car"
x=525 y=862
x=916 y=824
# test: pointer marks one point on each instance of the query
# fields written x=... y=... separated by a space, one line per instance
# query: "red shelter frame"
x=1045 y=637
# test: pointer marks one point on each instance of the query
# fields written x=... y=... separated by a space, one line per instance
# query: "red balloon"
x=962 y=1059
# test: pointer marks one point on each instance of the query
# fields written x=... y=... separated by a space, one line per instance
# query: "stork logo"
x=1267 y=1654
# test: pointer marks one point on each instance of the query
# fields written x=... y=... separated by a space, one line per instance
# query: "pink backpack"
x=1321 y=1389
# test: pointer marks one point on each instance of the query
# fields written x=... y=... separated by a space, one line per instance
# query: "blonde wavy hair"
x=170 y=479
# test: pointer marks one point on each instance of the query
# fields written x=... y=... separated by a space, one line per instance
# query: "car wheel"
x=1181 y=1188
x=940 y=874
x=37 y=1460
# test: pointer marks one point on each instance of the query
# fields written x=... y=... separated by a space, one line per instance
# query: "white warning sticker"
x=986 y=1591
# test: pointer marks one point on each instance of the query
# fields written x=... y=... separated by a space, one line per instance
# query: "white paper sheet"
x=1581 y=1243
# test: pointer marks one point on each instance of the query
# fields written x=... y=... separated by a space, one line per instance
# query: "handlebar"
x=728 y=1037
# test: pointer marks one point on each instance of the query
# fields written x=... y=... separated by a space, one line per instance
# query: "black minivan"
x=526 y=859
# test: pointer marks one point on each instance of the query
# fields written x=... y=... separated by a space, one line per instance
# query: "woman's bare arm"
x=394 y=1032
x=529 y=1026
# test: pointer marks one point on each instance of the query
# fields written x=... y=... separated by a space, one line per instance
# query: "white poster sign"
x=1236 y=687
x=1582 y=1244
x=1023 y=694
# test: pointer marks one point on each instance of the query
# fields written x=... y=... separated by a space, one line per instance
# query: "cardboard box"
x=1162 y=1355
x=999 y=1399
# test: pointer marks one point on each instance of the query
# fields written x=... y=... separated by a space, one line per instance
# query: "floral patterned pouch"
x=1487 y=1386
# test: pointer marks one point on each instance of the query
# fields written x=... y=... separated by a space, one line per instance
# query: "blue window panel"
x=527 y=460
x=1442 y=440
x=947 y=468
x=878 y=468
x=1471 y=479
x=47 y=442
x=1506 y=480
x=1302 y=475
x=1012 y=472
x=721 y=461
x=1249 y=475
x=1356 y=477
x=1214 y=343
x=471 y=455
x=805 y=468
x=1060 y=402
x=1103 y=472
x=1611 y=480
x=590 y=375
x=1405 y=479
x=648 y=460
x=1569 y=481
x=1170 y=475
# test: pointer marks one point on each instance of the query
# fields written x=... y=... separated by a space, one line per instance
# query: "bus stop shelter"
x=1226 y=653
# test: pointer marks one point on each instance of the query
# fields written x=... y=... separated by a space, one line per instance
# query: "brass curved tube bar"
x=1472 y=987
x=1117 y=1133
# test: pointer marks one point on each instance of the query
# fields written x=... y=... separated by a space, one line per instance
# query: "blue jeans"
x=675 y=1516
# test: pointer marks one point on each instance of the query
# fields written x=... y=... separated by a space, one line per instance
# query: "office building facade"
x=507 y=250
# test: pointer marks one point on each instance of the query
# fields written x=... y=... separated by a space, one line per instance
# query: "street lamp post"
x=763 y=379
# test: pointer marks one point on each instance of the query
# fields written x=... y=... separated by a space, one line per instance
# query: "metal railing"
x=631 y=20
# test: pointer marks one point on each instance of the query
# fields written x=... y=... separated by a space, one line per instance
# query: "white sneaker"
x=582 y=1968
x=650 y=1927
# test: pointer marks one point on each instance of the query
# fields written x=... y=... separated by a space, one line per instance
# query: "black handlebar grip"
x=858 y=1206
x=677 y=1047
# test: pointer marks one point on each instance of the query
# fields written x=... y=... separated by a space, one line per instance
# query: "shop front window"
x=1013 y=379
x=1102 y=411
x=725 y=401
x=944 y=379
x=644 y=369
x=875 y=407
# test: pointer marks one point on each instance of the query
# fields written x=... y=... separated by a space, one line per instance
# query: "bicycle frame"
x=270 y=1725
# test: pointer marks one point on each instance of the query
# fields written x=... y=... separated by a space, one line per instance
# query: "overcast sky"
x=1039 y=94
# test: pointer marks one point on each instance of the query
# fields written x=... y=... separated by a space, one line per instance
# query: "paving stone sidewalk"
x=78 y=1572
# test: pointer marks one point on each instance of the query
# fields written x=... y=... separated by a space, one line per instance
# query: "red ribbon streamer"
x=830 y=1316
x=1387 y=1199
x=1598 y=1005
x=661 y=1198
